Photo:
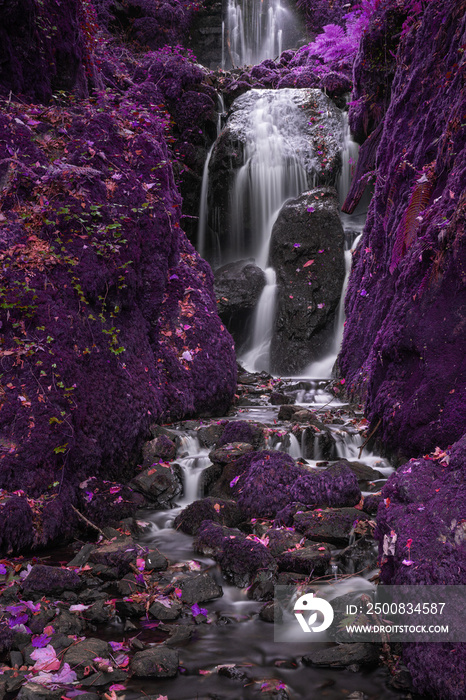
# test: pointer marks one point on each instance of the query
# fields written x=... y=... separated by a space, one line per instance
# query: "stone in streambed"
x=217 y=510
x=243 y=431
x=329 y=525
x=230 y=452
x=242 y=559
x=83 y=654
x=359 y=557
x=343 y=655
x=312 y=560
x=159 y=448
x=279 y=399
x=307 y=253
x=271 y=612
x=166 y=612
x=36 y=691
x=160 y=483
x=337 y=486
x=209 y=435
x=199 y=589
x=157 y=662
x=117 y=554
x=210 y=537
x=238 y=286
x=280 y=540
x=50 y=579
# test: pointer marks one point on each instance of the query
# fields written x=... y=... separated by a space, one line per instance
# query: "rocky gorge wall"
x=108 y=317
x=403 y=349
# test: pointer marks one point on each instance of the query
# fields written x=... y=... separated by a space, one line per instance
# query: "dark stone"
x=159 y=483
x=210 y=537
x=104 y=678
x=343 y=655
x=36 y=691
x=234 y=673
x=68 y=623
x=308 y=560
x=330 y=525
x=238 y=287
x=160 y=448
x=286 y=412
x=126 y=608
x=83 y=654
x=271 y=612
x=209 y=435
x=229 y=453
x=166 y=612
x=199 y=589
x=217 y=510
x=371 y=503
x=99 y=613
x=117 y=554
x=359 y=557
x=50 y=579
x=156 y=561
x=306 y=300
x=278 y=399
x=281 y=540
x=156 y=662
x=82 y=556
x=364 y=472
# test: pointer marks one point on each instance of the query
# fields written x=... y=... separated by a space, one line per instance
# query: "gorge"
x=143 y=473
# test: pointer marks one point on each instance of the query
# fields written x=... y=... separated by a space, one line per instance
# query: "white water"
x=203 y=209
x=349 y=158
x=273 y=169
x=254 y=31
x=264 y=317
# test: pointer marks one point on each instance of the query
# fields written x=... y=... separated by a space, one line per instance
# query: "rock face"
x=422 y=540
x=306 y=128
x=238 y=287
x=105 y=305
x=403 y=349
x=307 y=253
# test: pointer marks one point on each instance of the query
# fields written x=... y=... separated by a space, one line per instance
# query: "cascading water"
x=254 y=31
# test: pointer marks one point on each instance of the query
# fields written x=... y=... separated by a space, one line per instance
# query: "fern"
x=409 y=223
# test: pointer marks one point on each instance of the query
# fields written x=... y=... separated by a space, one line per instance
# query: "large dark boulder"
x=307 y=253
x=238 y=287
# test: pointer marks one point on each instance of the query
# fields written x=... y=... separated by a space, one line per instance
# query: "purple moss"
x=50 y=579
x=242 y=431
x=405 y=289
x=242 y=559
x=208 y=509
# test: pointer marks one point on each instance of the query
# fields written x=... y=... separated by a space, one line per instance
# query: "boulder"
x=157 y=662
x=217 y=510
x=50 y=580
x=331 y=525
x=343 y=655
x=238 y=286
x=83 y=654
x=199 y=589
x=117 y=554
x=307 y=253
x=312 y=560
x=160 y=483
x=243 y=431
x=241 y=559
x=161 y=448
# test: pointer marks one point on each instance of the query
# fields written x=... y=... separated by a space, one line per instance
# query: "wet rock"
x=306 y=300
x=103 y=678
x=358 y=557
x=317 y=441
x=83 y=654
x=199 y=589
x=159 y=483
x=16 y=659
x=262 y=586
x=278 y=399
x=242 y=559
x=51 y=580
x=156 y=662
x=238 y=286
x=287 y=412
x=218 y=510
x=230 y=452
x=364 y=472
x=170 y=611
x=233 y=672
x=160 y=448
x=156 y=561
x=99 y=613
x=329 y=525
x=271 y=612
x=36 y=691
x=107 y=502
x=127 y=608
x=209 y=435
x=82 y=556
x=343 y=655
x=280 y=540
x=117 y=554
x=41 y=619
x=312 y=560
x=179 y=634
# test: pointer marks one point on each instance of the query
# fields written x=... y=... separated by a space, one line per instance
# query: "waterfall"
x=254 y=31
x=203 y=211
x=349 y=159
x=272 y=173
